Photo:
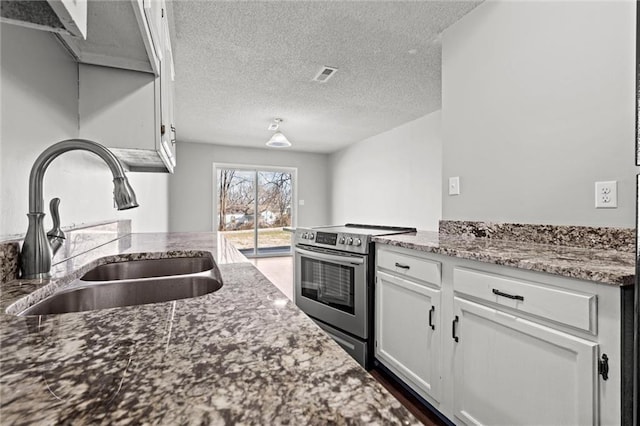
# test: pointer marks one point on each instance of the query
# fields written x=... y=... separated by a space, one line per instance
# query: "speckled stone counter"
x=242 y=355
x=615 y=267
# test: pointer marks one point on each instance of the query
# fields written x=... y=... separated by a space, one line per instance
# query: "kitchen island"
x=242 y=355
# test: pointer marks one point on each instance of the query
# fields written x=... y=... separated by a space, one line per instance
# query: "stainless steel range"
x=334 y=282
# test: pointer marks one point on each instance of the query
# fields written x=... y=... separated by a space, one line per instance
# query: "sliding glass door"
x=253 y=207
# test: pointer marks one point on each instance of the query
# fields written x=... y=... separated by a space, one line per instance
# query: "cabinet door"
x=167 y=78
x=408 y=332
x=154 y=13
x=510 y=371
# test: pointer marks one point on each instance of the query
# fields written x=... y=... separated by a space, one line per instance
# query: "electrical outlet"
x=454 y=185
x=607 y=195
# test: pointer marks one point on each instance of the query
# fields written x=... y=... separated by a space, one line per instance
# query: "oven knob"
x=341 y=241
x=349 y=241
x=311 y=236
x=358 y=242
x=304 y=236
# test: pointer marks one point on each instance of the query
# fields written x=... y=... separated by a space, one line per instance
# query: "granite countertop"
x=244 y=354
x=604 y=265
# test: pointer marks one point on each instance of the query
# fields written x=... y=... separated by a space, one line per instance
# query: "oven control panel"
x=326 y=238
x=355 y=243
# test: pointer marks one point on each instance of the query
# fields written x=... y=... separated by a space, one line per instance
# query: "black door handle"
x=431 y=311
x=453 y=328
x=507 y=295
x=400 y=265
x=603 y=367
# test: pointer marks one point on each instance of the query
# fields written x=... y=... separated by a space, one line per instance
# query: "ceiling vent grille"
x=325 y=74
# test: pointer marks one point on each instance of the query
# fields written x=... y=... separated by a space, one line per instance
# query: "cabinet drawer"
x=410 y=266
x=556 y=304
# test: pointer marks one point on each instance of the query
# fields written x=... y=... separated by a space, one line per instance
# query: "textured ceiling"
x=241 y=64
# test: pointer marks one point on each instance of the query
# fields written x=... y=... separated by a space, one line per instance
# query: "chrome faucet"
x=38 y=248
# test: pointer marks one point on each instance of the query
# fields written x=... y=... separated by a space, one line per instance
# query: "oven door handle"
x=331 y=257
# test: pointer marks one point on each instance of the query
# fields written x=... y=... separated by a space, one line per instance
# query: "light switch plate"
x=607 y=195
x=454 y=185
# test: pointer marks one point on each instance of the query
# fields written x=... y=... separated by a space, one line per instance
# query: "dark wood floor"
x=409 y=401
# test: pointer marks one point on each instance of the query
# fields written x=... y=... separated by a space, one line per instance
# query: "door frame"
x=256 y=168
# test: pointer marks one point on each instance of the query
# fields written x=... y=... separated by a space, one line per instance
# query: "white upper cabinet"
x=59 y=16
x=126 y=34
x=119 y=35
x=129 y=111
x=167 y=79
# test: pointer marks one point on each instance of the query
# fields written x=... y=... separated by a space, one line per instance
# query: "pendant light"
x=278 y=140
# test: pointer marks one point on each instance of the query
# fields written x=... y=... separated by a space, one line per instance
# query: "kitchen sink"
x=135 y=282
x=123 y=293
x=148 y=268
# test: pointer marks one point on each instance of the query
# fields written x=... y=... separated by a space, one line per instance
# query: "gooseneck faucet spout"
x=36 y=249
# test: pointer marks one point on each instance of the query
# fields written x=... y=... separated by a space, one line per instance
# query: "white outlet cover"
x=301 y=202
x=606 y=195
x=454 y=185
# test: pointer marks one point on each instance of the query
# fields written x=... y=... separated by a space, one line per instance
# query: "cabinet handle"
x=431 y=311
x=400 y=265
x=453 y=328
x=175 y=135
x=603 y=367
x=507 y=295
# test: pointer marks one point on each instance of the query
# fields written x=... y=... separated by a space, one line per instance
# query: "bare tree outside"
x=225 y=177
x=254 y=206
x=275 y=190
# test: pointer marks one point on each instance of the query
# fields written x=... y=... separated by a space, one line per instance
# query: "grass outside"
x=270 y=237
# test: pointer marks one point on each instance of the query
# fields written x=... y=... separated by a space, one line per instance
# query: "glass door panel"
x=274 y=197
x=236 y=208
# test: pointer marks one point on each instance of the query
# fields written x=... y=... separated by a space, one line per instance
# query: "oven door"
x=332 y=286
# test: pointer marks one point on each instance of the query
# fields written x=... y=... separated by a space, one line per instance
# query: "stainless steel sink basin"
x=124 y=293
x=148 y=268
x=136 y=282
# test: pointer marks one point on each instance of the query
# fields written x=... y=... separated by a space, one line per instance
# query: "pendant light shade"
x=278 y=140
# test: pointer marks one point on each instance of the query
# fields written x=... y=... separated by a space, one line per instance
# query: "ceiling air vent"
x=325 y=74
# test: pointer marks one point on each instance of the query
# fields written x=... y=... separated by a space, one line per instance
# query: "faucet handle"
x=55 y=236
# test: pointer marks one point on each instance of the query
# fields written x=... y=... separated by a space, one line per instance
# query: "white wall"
x=39 y=107
x=538 y=104
x=192 y=192
x=393 y=178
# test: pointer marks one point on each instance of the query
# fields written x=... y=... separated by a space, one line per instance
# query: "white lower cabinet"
x=492 y=345
x=408 y=331
x=511 y=371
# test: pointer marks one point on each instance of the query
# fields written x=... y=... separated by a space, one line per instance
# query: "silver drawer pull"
x=507 y=295
x=400 y=265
